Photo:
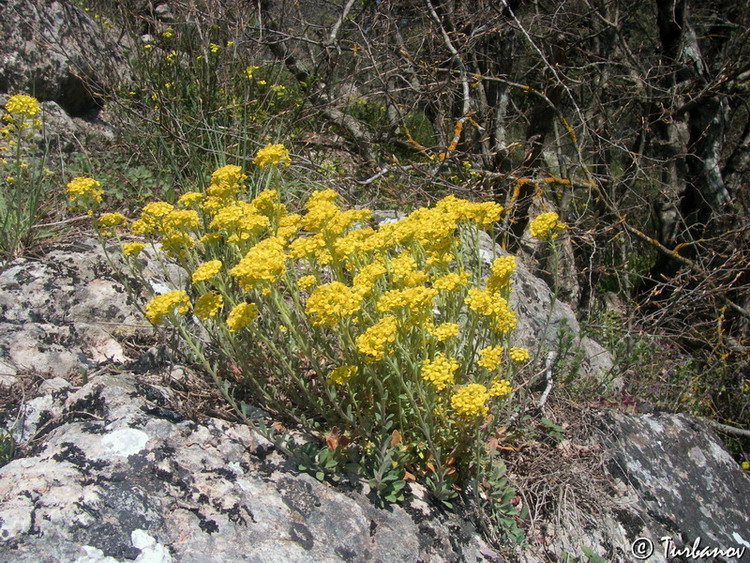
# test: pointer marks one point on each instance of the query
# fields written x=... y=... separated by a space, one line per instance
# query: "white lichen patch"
x=151 y=550
x=124 y=442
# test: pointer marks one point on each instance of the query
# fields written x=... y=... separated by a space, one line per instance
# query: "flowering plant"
x=392 y=335
x=23 y=172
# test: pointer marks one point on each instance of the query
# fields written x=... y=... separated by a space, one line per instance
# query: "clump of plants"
x=389 y=339
x=24 y=176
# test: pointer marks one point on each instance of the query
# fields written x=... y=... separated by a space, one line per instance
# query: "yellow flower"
x=267 y=203
x=272 y=155
x=364 y=281
x=310 y=247
x=546 y=226
x=372 y=343
x=518 y=354
x=84 y=192
x=213 y=47
x=490 y=357
x=416 y=299
x=264 y=262
x=502 y=268
x=306 y=281
x=176 y=244
x=108 y=221
x=241 y=316
x=331 y=302
x=452 y=280
x=182 y=220
x=207 y=305
x=500 y=387
x=445 y=331
x=492 y=306
x=439 y=371
x=339 y=375
x=229 y=174
x=206 y=271
x=132 y=248
x=248 y=72
x=470 y=400
x=152 y=218
x=189 y=199
x=22 y=105
x=166 y=304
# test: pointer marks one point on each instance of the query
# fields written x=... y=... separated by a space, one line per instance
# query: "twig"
x=64 y=222
x=725 y=428
x=551 y=357
x=333 y=37
x=382 y=172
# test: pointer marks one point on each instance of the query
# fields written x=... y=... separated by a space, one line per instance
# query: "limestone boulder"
x=115 y=474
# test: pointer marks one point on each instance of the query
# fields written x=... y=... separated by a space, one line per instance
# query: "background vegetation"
x=628 y=119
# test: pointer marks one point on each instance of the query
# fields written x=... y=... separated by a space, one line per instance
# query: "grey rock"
x=67 y=313
x=687 y=485
x=113 y=472
x=668 y=476
x=544 y=321
x=56 y=52
x=121 y=476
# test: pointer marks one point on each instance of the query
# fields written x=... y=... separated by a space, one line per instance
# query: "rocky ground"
x=115 y=462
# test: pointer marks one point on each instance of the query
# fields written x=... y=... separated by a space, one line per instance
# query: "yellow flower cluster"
x=206 y=271
x=373 y=341
x=470 y=401
x=242 y=316
x=16 y=136
x=440 y=371
x=546 y=226
x=22 y=105
x=108 y=221
x=493 y=307
x=451 y=281
x=339 y=375
x=331 y=302
x=84 y=193
x=341 y=290
x=490 y=357
x=264 y=262
x=207 y=305
x=152 y=217
x=226 y=182
x=518 y=354
x=414 y=299
x=132 y=248
x=445 y=331
x=166 y=304
x=306 y=282
x=271 y=155
x=181 y=220
x=501 y=270
x=500 y=387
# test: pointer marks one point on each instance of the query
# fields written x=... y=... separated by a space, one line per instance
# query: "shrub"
x=390 y=338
